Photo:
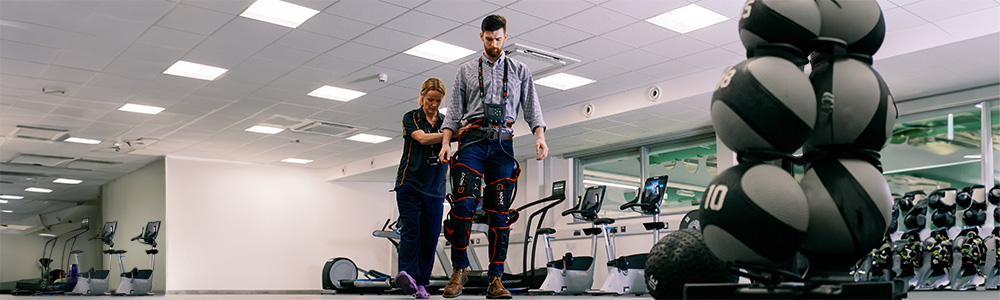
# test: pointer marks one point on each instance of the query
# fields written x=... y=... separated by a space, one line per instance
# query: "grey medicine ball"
x=764 y=103
x=856 y=109
x=754 y=214
x=795 y=23
x=858 y=23
x=849 y=210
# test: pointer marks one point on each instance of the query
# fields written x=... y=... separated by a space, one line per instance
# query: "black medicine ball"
x=679 y=258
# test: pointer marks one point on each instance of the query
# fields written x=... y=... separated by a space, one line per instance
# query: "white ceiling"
x=106 y=53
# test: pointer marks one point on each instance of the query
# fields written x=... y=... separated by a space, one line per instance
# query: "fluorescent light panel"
x=193 y=70
x=67 y=181
x=279 y=12
x=296 y=160
x=46 y=234
x=37 y=190
x=563 y=81
x=11 y=197
x=336 y=93
x=973 y=156
x=439 y=51
x=82 y=141
x=3 y=201
x=688 y=18
x=142 y=109
x=264 y=129
x=369 y=138
x=8 y=211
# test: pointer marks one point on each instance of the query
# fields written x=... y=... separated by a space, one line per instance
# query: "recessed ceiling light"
x=439 y=51
x=296 y=160
x=37 y=190
x=67 y=181
x=3 y=201
x=11 y=197
x=193 y=70
x=687 y=18
x=82 y=141
x=336 y=93
x=46 y=234
x=8 y=211
x=369 y=138
x=279 y=12
x=973 y=156
x=563 y=81
x=142 y=109
x=264 y=129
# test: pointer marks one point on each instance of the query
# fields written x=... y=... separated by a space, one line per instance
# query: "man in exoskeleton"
x=488 y=93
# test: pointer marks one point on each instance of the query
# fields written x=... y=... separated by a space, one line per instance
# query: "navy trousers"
x=420 y=217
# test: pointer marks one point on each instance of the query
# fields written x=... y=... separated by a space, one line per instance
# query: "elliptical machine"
x=626 y=274
x=573 y=274
x=139 y=282
x=47 y=282
x=95 y=282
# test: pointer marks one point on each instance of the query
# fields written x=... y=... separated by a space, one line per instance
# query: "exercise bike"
x=51 y=281
x=626 y=274
x=573 y=274
x=95 y=282
x=139 y=282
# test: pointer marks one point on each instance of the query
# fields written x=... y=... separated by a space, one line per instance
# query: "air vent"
x=39 y=133
x=540 y=62
x=39 y=160
x=327 y=128
x=280 y=121
x=91 y=164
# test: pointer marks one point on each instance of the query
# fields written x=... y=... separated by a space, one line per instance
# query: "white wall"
x=134 y=200
x=250 y=227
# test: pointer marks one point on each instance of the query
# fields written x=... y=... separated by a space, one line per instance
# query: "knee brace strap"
x=499 y=195
x=498 y=238
x=456 y=231
x=465 y=182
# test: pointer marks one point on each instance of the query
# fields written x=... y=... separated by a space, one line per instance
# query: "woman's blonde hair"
x=431 y=84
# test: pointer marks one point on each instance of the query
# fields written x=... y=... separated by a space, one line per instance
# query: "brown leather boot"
x=454 y=286
x=496 y=289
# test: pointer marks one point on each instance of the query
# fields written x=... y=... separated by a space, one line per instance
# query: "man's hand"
x=540 y=147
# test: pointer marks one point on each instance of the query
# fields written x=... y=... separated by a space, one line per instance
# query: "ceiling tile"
x=465 y=37
x=257 y=71
x=553 y=36
x=360 y=52
x=593 y=91
x=68 y=15
x=232 y=7
x=596 y=70
x=195 y=20
x=899 y=18
x=285 y=55
x=143 y=11
x=135 y=69
x=310 y=101
x=598 y=20
x=335 y=26
x=939 y=10
x=21 y=51
x=678 y=46
x=408 y=63
x=272 y=94
x=103 y=94
x=372 y=12
x=154 y=54
x=171 y=38
x=421 y=24
x=639 y=34
x=214 y=58
x=242 y=38
x=885 y=4
x=906 y=40
x=35 y=34
x=318 y=77
x=718 y=34
x=309 y=41
x=672 y=69
x=595 y=48
x=77 y=60
x=628 y=80
x=390 y=39
x=333 y=115
x=728 y=8
x=633 y=59
x=460 y=11
x=711 y=58
x=68 y=74
x=645 y=9
x=20 y=68
x=972 y=25
x=550 y=10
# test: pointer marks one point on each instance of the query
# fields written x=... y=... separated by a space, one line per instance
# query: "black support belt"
x=489 y=133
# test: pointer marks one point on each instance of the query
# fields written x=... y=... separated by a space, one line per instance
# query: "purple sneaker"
x=406 y=283
x=421 y=293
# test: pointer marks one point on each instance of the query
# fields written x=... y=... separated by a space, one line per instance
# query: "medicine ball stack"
x=840 y=115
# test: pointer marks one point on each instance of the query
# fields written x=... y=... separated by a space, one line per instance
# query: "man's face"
x=493 y=42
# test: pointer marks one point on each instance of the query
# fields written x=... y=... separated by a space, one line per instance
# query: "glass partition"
x=690 y=166
x=620 y=173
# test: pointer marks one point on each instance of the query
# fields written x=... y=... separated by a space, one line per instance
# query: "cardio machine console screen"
x=655 y=189
x=558 y=188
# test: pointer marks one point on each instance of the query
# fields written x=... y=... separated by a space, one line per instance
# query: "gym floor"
x=971 y=295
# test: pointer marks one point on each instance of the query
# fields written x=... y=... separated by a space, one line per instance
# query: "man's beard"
x=494 y=52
